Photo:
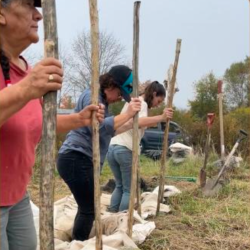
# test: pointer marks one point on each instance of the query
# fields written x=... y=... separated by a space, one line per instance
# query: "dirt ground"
x=191 y=227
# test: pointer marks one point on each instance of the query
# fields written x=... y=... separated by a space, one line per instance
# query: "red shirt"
x=19 y=137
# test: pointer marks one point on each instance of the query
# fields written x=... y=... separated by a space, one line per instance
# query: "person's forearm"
x=142 y=122
x=66 y=123
x=149 y=121
x=127 y=126
x=12 y=99
x=120 y=120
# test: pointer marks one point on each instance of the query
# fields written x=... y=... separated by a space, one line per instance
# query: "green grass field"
x=195 y=222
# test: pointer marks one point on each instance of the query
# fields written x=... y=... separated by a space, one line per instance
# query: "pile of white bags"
x=114 y=224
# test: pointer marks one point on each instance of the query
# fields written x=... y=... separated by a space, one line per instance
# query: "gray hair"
x=5 y=3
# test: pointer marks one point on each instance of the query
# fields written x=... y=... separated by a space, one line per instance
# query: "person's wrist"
x=163 y=117
x=129 y=115
x=25 y=94
x=79 y=120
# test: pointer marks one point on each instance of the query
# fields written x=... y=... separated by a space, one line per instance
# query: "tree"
x=32 y=56
x=111 y=53
x=205 y=97
x=65 y=58
x=66 y=102
x=237 y=84
x=68 y=90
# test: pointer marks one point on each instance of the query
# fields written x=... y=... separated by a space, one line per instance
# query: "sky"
x=214 y=33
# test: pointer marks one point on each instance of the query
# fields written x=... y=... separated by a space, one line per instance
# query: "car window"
x=173 y=128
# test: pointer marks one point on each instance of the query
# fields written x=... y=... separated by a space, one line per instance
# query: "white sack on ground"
x=180 y=152
x=111 y=242
x=234 y=162
x=175 y=147
x=149 y=201
x=114 y=224
x=142 y=231
x=64 y=214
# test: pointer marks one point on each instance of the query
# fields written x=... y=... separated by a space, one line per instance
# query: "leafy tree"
x=115 y=108
x=237 y=84
x=205 y=97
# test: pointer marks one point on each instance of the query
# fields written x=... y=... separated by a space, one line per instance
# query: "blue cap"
x=123 y=77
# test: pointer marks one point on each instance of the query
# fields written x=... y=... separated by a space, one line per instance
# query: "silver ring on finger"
x=51 y=78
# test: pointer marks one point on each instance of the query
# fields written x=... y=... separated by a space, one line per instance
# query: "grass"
x=195 y=222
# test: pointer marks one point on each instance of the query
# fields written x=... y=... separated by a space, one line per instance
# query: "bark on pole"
x=222 y=144
x=49 y=133
x=95 y=124
x=171 y=91
x=138 y=188
x=135 y=154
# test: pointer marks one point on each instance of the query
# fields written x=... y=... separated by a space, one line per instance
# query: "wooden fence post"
x=220 y=98
x=95 y=124
x=171 y=91
x=135 y=155
x=49 y=133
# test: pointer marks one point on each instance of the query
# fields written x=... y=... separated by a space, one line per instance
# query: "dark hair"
x=4 y=60
x=107 y=81
x=149 y=91
x=5 y=65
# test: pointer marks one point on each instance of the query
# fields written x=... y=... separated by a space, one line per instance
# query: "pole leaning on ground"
x=49 y=133
x=95 y=124
x=171 y=91
x=135 y=154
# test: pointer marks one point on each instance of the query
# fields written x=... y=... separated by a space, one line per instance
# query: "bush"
x=233 y=122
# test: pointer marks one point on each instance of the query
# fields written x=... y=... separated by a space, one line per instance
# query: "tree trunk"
x=49 y=134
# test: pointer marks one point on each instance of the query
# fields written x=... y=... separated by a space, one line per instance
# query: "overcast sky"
x=214 y=33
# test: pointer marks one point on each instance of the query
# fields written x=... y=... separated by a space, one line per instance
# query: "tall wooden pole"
x=95 y=124
x=49 y=134
x=135 y=155
x=138 y=188
x=171 y=91
x=222 y=144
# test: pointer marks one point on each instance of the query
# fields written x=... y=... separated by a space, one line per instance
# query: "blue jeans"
x=17 y=226
x=120 y=162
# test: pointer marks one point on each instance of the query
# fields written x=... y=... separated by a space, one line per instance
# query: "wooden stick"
x=220 y=97
x=171 y=91
x=49 y=133
x=135 y=120
x=138 y=189
x=95 y=124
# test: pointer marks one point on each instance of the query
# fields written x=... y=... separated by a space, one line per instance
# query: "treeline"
x=235 y=108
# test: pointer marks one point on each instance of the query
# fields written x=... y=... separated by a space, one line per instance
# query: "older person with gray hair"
x=21 y=91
